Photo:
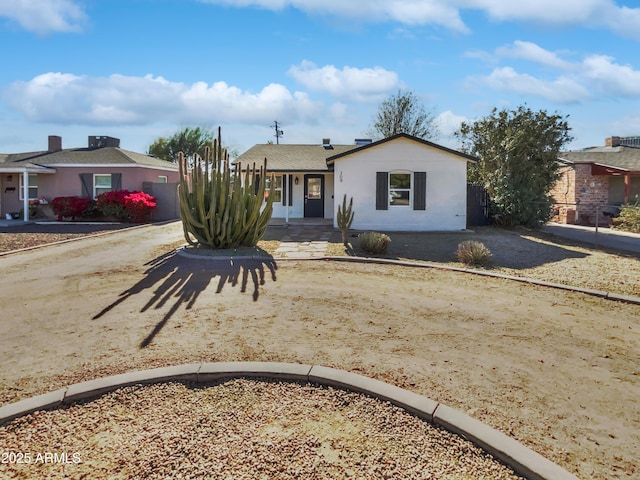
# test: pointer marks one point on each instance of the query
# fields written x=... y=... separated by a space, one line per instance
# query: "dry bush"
x=373 y=242
x=471 y=252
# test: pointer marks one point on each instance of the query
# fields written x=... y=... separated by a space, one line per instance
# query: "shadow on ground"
x=510 y=248
x=177 y=281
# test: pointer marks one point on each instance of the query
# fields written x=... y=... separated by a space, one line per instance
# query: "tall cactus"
x=219 y=208
x=345 y=218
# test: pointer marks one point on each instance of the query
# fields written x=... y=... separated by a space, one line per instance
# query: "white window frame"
x=32 y=186
x=277 y=190
x=163 y=179
x=409 y=190
x=104 y=189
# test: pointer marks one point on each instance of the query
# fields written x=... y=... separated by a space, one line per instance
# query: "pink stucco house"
x=86 y=172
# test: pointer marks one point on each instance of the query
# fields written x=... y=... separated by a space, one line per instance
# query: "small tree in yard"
x=518 y=152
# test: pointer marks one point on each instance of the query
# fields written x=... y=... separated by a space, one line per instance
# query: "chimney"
x=55 y=143
x=612 y=142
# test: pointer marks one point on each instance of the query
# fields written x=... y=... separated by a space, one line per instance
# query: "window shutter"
x=382 y=191
x=284 y=189
x=290 y=190
x=116 y=182
x=86 y=184
x=420 y=190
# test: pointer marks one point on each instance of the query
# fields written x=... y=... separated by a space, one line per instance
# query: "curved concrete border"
x=521 y=459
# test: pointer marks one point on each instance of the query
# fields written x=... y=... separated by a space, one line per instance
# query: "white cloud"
x=595 y=74
x=534 y=53
x=561 y=90
x=69 y=99
x=448 y=123
x=356 y=84
x=611 y=78
x=44 y=16
x=408 y=12
x=544 y=11
x=447 y=13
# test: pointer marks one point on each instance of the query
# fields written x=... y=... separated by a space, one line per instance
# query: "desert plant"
x=629 y=218
x=345 y=218
x=472 y=252
x=374 y=242
x=219 y=208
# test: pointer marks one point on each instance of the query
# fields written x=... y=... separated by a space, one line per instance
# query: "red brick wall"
x=590 y=191
x=564 y=193
x=577 y=186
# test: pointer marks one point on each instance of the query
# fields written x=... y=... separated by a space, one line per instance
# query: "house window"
x=399 y=189
x=162 y=179
x=277 y=188
x=101 y=184
x=33 y=186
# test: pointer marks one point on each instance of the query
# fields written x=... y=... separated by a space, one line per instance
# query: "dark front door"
x=314 y=196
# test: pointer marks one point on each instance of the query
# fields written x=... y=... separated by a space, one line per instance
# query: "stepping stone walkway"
x=304 y=241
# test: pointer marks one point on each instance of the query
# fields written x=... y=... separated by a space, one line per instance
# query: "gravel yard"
x=244 y=429
x=557 y=371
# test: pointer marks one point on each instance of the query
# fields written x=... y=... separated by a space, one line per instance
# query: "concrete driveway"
x=605 y=237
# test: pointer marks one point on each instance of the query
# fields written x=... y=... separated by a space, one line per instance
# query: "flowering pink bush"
x=139 y=206
x=135 y=207
x=70 y=207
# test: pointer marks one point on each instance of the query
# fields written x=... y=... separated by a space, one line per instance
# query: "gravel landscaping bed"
x=241 y=429
x=33 y=235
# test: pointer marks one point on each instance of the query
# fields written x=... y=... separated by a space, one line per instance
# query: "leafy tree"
x=518 y=152
x=404 y=113
x=190 y=140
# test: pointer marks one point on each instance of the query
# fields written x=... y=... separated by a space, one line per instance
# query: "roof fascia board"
x=469 y=158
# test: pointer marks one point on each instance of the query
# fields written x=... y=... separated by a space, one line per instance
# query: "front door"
x=314 y=196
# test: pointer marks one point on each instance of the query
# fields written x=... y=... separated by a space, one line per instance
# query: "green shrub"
x=629 y=218
x=472 y=252
x=373 y=242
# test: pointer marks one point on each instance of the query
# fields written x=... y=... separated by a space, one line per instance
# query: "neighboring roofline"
x=168 y=168
x=622 y=170
x=28 y=169
x=471 y=158
x=612 y=167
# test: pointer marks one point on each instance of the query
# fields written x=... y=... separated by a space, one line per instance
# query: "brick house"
x=597 y=178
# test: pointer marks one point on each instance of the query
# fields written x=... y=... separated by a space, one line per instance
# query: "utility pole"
x=279 y=133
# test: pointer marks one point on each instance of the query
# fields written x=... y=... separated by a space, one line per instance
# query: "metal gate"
x=477 y=205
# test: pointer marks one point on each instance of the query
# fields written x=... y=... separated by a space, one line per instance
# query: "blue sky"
x=140 y=69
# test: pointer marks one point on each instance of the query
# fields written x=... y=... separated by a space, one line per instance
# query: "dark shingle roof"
x=337 y=155
x=291 y=158
x=625 y=158
x=83 y=156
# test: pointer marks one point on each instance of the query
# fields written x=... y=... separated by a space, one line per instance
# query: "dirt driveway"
x=558 y=371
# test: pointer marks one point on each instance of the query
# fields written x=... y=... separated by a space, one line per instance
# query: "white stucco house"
x=400 y=183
